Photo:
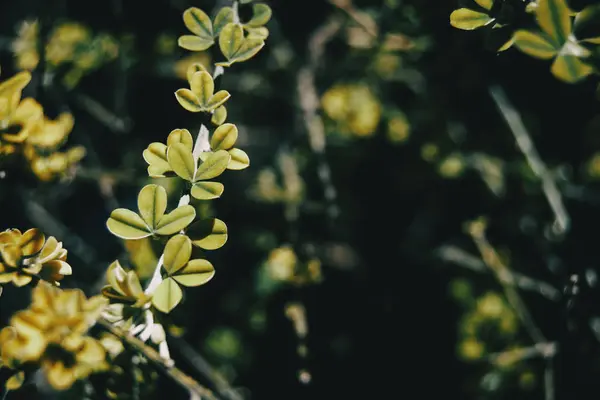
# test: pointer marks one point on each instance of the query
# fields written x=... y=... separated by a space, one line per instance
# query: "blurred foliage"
x=351 y=258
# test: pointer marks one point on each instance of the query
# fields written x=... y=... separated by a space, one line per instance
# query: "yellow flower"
x=29 y=254
x=52 y=334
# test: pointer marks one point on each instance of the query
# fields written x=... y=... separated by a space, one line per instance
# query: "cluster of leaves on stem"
x=197 y=162
x=556 y=32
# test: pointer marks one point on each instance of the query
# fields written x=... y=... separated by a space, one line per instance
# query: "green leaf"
x=198 y=22
x=195 y=273
x=239 y=160
x=208 y=234
x=224 y=137
x=260 y=33
x=188 y=100
x=223 y=17
x=182 y=136
x=261 y=14
x=553 y=17
x=193 y=68
x=249 y=49
x=15 y=381
x=182 y=161
x=231 y=40
x=194 y=43
x=535 y=44
x=126 y=224
x=177 y=253
x=219 y=116
x=203 y=86
x=167 y=296
x=467 y=19
x=487 y=4
x=587 y=24
x=176 y=220
x=152 y=204
x=570 y=69
x=218 y=100
x=214 y=165
x=156 y=157
x=207 y=190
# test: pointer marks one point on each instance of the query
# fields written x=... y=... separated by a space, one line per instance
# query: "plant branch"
x=185 y=381
x=537 y=165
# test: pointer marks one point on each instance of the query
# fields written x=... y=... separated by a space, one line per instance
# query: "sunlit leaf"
x=178 y=251
x=188 y=100
x=223 y=17
x=219 y=116
x=194 y=43
x=224 y=137
x=195 y=273
x=261 y=14
x=152 y=204
x=231 y=40
x=198 y=22
x=203 y=86
x=218 y=100
x=193 y=68
x=467 y=19
x=487 y=4
x=182 y=161
x=570 y=68
x=167 y=296
x=535 y=44
x=214 y=165
x=554 y=19
x=15 y=381
x=239 y=159
x=126 y=224
x=208 y=234
x=176 y=220
x=207 y=190
x=182 y=136
x=156 y=157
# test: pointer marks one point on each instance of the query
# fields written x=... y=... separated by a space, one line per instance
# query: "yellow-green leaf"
x=188 y=100
x=152 y=204
x=214 y=165
x=570 y=68
x=587 y=24
x=15 y=381
x=178 y=251
x=249 y=49
x=218 y=100
x=176 y=220
x=156 y=157
x=182 y=161
x=207 y=190
x=239 y=160
x=208 y=234
x=126 y=224
x=167 y=296
x=487 y=4
x=535 y=44
x=182 y=136
x=193 y=68
x=223 y=17
x=195 y=273
x=467 y=19
x=231 y=39
x=203 y=86
x=195 y=43
x=261 y=32
x=31 y=242
x=224 y=137
x=219 y=116
x=261 y=14
x=198 y=22
x=554 y=19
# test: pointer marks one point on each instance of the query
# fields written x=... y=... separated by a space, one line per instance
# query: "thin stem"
x=553 y=195
x=184 y=380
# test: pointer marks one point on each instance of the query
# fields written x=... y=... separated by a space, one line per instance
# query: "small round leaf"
x=152 y=204
x=188 y=100
x=167 y=296
x=182 y=161
x=239 y=160
x=213 y=166
x=198 y=22
x=207 y=190
x=176 y=220
x=224 y=137
x=195 y=273
x=194 y=43
x=177 y=253
x=126 y=224
x=208 y=234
